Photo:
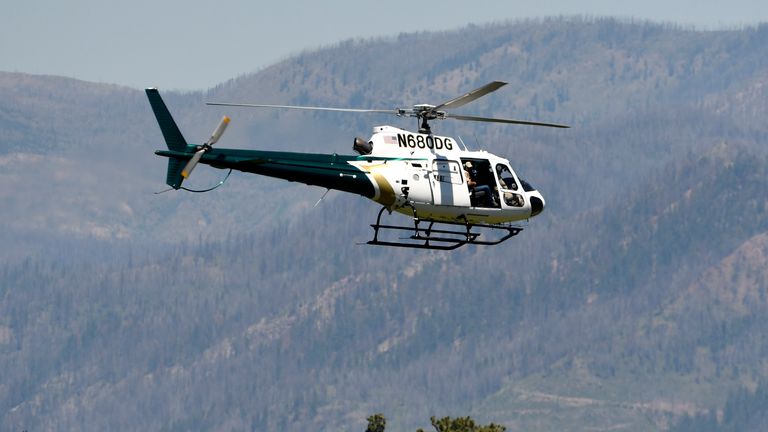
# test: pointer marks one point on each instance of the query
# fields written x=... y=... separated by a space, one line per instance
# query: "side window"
x=447 y=171
x=506 y=179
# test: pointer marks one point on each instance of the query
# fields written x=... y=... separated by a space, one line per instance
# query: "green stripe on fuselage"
x=330 y=171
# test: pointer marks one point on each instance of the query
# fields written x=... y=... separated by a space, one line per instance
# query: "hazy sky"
x=192 y=44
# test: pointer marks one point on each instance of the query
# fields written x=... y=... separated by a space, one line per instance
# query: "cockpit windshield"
x=506 y=179
x=527 y=186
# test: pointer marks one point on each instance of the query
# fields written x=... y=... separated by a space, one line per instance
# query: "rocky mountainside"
x=635 y=302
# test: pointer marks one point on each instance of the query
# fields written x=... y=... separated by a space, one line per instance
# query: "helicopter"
x=453 y=195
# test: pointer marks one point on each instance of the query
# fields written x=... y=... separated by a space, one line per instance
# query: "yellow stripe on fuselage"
x=386 y=193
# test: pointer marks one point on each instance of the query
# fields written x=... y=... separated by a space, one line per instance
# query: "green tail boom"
x=330 y=171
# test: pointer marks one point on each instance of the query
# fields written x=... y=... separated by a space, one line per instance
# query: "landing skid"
x=439 y=239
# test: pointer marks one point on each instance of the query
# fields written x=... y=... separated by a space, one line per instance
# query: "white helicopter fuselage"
x=425 y=175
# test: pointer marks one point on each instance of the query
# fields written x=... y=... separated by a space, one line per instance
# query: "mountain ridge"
x=622 y=306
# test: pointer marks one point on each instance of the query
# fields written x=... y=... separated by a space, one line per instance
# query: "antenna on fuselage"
x=477 y=142
x=461 y=140
x=321 y=198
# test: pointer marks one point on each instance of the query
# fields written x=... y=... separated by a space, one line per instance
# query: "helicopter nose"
x=537 y=204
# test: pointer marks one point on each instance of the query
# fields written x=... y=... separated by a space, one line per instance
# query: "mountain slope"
x=337 y=341
x=635 y=299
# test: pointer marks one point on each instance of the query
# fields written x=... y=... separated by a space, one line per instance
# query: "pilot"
x=506 y=177
x=480 y=191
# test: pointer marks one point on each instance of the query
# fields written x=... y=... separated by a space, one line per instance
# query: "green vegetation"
x=462 y=424
x=377 y=423
x=637 y=301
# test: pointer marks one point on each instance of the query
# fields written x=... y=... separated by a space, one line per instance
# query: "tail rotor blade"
x=219 y=130
x=187 y=171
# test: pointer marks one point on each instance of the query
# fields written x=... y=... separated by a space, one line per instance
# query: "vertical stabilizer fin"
x=173 y=137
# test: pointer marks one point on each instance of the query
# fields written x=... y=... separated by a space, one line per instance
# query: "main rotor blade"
x=498 y=120
x=469 y=97
x=386 y=111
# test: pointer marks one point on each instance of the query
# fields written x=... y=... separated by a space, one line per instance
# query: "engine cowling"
x=362 y=146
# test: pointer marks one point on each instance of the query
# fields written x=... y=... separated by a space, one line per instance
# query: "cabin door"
x=448 y=187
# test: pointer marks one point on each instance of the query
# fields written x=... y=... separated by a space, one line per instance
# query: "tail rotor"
x=187 y=171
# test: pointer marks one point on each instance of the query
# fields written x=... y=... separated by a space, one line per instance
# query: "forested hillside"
x=636 y=301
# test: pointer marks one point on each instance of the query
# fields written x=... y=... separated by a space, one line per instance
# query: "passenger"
x=479 y=191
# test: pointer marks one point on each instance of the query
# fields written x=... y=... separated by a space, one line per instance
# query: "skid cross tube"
x=438 y=239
